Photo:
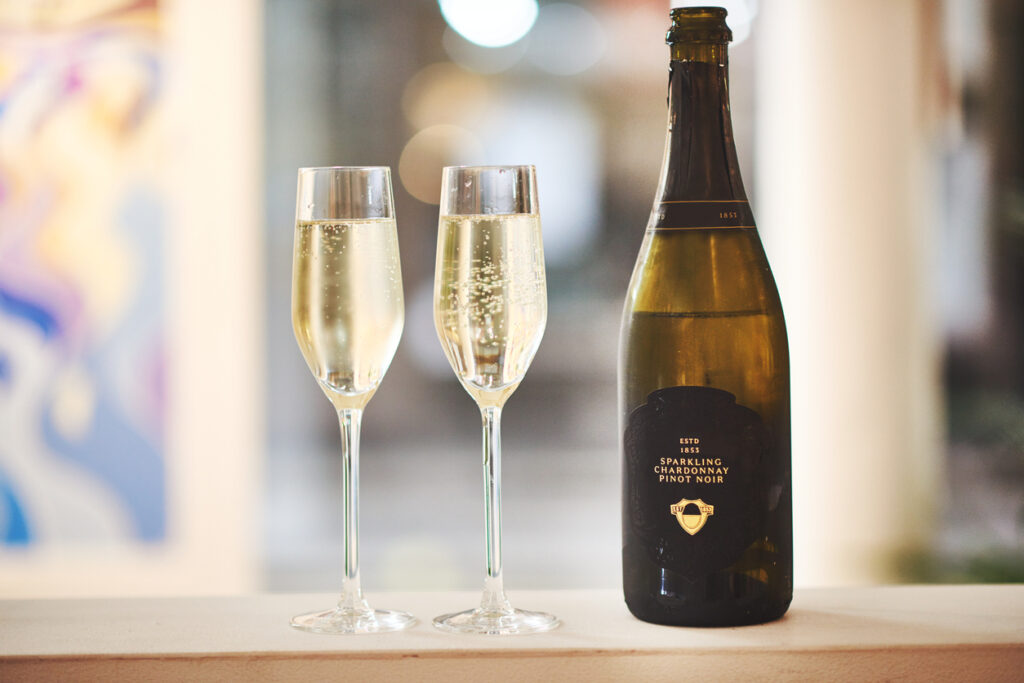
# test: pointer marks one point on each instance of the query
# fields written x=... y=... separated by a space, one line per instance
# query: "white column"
x=843 y=204
x=215 y=286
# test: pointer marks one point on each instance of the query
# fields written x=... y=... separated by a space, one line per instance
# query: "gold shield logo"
x=692 y=523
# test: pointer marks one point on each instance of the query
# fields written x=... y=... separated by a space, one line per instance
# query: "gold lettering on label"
x=687 y=470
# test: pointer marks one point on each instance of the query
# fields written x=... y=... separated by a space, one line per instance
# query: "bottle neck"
x=700 y=164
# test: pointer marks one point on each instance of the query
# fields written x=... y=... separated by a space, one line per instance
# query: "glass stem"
x=351 y=593
x=494 y=599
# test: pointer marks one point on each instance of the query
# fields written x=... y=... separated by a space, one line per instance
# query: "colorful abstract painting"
x=82 y=212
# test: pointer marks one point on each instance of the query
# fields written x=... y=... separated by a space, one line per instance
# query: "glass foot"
x=338 y=620
x=497 y=623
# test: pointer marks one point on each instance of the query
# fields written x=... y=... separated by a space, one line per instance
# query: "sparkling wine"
x=347 y=311
x=490 y=300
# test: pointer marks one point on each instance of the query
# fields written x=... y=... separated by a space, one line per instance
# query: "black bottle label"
x=696 y=484
x=701 y=215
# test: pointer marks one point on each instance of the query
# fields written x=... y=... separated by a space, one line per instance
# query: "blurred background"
x=160 y=433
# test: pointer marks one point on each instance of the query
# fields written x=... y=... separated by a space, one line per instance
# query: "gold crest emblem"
x=692 y=523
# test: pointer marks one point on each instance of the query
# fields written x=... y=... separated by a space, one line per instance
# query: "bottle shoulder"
x=717 y=270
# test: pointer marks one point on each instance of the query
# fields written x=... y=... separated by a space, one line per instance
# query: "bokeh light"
x=557 y=131
x=483 y=60
x=430 y=150
x=491 y=23
x=567 y=40
x=444 y=93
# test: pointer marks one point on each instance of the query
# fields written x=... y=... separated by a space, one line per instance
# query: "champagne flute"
x=347 y=315
x=490 y=309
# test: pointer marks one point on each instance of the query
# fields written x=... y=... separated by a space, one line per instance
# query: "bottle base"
x=707 y=615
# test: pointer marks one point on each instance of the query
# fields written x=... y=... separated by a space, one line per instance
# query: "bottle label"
x=701 y=215
x=696 y=478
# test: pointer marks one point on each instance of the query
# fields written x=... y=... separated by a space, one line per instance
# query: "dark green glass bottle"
x=704 y=373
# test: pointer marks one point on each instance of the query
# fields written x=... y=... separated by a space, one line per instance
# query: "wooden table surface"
x=925 y=633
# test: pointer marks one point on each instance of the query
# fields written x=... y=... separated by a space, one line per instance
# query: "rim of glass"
x=491 y=166
x=306 y=169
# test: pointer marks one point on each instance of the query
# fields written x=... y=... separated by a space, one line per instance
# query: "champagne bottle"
x=704 y=373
